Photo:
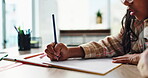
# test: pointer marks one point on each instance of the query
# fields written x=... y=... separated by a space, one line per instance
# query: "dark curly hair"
x=128 y=34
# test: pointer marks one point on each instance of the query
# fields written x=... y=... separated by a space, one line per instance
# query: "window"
x=18 y=13
x=82 y=14
x=1 y=25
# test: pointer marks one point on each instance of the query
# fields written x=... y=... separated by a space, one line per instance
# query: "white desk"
x=29 y=71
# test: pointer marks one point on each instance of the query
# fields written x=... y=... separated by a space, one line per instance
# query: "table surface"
x=30 y=71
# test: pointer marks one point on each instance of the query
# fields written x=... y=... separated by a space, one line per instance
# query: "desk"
x=30 y=71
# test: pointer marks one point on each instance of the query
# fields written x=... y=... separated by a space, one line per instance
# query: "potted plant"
x=99 y=17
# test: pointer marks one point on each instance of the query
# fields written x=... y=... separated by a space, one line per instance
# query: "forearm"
x=76 y=52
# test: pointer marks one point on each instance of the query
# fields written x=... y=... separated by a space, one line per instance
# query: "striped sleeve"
x=108 y=47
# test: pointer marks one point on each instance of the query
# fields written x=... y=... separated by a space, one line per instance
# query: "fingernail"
x=113 y=61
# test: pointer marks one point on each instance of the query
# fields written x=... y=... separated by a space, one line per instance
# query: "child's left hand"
x=129 y=58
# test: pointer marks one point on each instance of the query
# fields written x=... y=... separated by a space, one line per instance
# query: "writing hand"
x=57 y=52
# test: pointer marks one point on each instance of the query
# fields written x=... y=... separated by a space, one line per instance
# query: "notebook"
x=100 y=66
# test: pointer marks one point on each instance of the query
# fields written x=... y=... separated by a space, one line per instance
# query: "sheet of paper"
x=100 y=66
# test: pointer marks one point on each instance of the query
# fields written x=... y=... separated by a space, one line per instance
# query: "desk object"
x=2 y=57
x=36 y=42
x=23 y=39
x=24 y=42
x=25 y=62
x=93 y=66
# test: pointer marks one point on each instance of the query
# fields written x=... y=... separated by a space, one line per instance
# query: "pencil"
x=43 y=56
x=3 y=57
x=24 y=62
x=33 y=55
x=54 y=29
x=16 y=29
x=54 y=32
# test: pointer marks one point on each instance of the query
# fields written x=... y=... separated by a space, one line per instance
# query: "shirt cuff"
x=89 y=50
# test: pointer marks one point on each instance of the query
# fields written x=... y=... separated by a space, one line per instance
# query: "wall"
x=46 y=8
x=118 y=10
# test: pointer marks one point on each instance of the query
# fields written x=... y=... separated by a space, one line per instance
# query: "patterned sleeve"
x=108 y=47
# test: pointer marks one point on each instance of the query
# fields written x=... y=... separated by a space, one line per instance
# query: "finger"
x=121 y=61
x=52 y=44
x=58 y=48
x=52 y=54
x=61 y=58
x=50 y=48
x=133 y=60
x=120 y=57
x=51 y=57
x=48 y=53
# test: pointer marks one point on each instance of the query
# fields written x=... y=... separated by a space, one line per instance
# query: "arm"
x=112 y=45
x=108 y=47
x=76 y=52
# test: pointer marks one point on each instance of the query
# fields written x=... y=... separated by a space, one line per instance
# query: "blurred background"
x=77 y=21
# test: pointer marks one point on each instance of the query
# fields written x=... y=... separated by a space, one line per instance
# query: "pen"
x=19 y=29
x=54 y=32
x=54 y=29
x=33 y=55
x=16 y=29
x=3 y=57
x=24 y=62
x=21 y=32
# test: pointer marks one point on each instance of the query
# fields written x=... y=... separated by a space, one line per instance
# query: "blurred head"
x=139 y=8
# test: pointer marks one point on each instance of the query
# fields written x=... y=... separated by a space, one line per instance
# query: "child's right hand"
x=57 y=52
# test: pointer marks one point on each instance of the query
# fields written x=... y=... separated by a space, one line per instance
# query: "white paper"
x=100 y=66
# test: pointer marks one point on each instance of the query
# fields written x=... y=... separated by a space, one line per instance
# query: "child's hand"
x=129 y=58
x=57 y=52
x=143 y=64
